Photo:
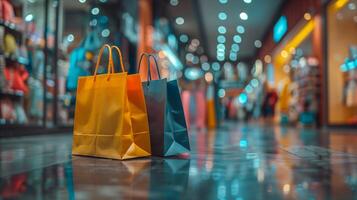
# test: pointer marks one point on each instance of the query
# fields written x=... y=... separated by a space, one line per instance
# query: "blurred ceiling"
x=201 y=21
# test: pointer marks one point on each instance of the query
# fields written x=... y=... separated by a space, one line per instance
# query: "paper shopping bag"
x=110 y=116
x=168 y=130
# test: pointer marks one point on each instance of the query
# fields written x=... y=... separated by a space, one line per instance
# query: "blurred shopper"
x=269 y=104
x=200 y=94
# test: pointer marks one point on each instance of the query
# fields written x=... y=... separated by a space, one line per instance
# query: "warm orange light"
x=339 y=4
x=307 y=16
x=267 y=58
x=161 y=54
x=285 y=54
x=208 y=77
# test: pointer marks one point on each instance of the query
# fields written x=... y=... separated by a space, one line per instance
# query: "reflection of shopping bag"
x=168 y=131
x=171 y=173
x=110 y=118
x=110 y=179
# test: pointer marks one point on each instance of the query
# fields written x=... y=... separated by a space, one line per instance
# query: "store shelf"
x=12 y=93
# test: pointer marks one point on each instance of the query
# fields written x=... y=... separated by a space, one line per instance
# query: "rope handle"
x=120 y=58
x=110 y=61
x=148 y=56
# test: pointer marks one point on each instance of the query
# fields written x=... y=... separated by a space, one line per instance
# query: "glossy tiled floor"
x=235 y=162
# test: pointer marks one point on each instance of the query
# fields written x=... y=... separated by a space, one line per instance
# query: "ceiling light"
x=29 y=17
x=249 y=89
x=195 y=42
x=240 y=29
x=233 y=54
x=220 y=46
x=257 y=43
x=82 y=1
x=195 y=60
x=183 y=38
x=284 y=54
x=180 y=20
x=267 y=58
x=237 y=39
x=95 y=11
x=103 y=1
x=70 y=38
x=243 y=16
x=205 y=66
x=221 y=93
x=221 y=52
x=105 y=33
x=223 y=1
x=174 y=2
x=189 y=57
x=307 y=16
x=247 y=1
x=352 y=6
x=235 y=47
x=93 y=22
x=209 y=77
x=255 y=82
x=215 y=66
x=222 y=16
x=203 y=58
x=220 y=57
x=222 y=29
x=221 y=39
x=232 y=57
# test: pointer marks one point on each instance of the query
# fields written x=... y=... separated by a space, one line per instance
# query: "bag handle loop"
x=110 y=61
x=120 y=58
x=148 y=56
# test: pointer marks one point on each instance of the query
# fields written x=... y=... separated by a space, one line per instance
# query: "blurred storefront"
x=292 y=54
x=309 y=57
x=341 y=62
x=45 y=46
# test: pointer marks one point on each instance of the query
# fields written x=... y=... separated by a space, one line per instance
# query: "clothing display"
x=13 y=74
x=77 y=67
x=7 y=12
x=307 y=77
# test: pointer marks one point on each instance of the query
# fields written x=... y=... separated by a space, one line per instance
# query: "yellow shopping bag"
x=110 y=117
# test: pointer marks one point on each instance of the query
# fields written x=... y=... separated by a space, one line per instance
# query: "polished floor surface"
x=251 y=161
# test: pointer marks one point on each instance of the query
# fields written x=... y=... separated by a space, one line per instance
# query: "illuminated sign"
x=280 y=28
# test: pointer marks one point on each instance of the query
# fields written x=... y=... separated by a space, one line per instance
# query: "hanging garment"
x=211 y=109
x=21 y=117
x=7 y=111
x=75 y=70
x=186 y=96
x=36 y=98
x=168 y=130
x=16 y=77
x=201 y=108
x=110 y=118
x=7 y=12
x=10 y=45
x=92 y=42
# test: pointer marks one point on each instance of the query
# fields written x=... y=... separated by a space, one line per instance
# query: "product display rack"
x=46 y=121
x=306 y=77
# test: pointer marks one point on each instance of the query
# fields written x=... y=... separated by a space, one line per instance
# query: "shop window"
x=342 y=62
